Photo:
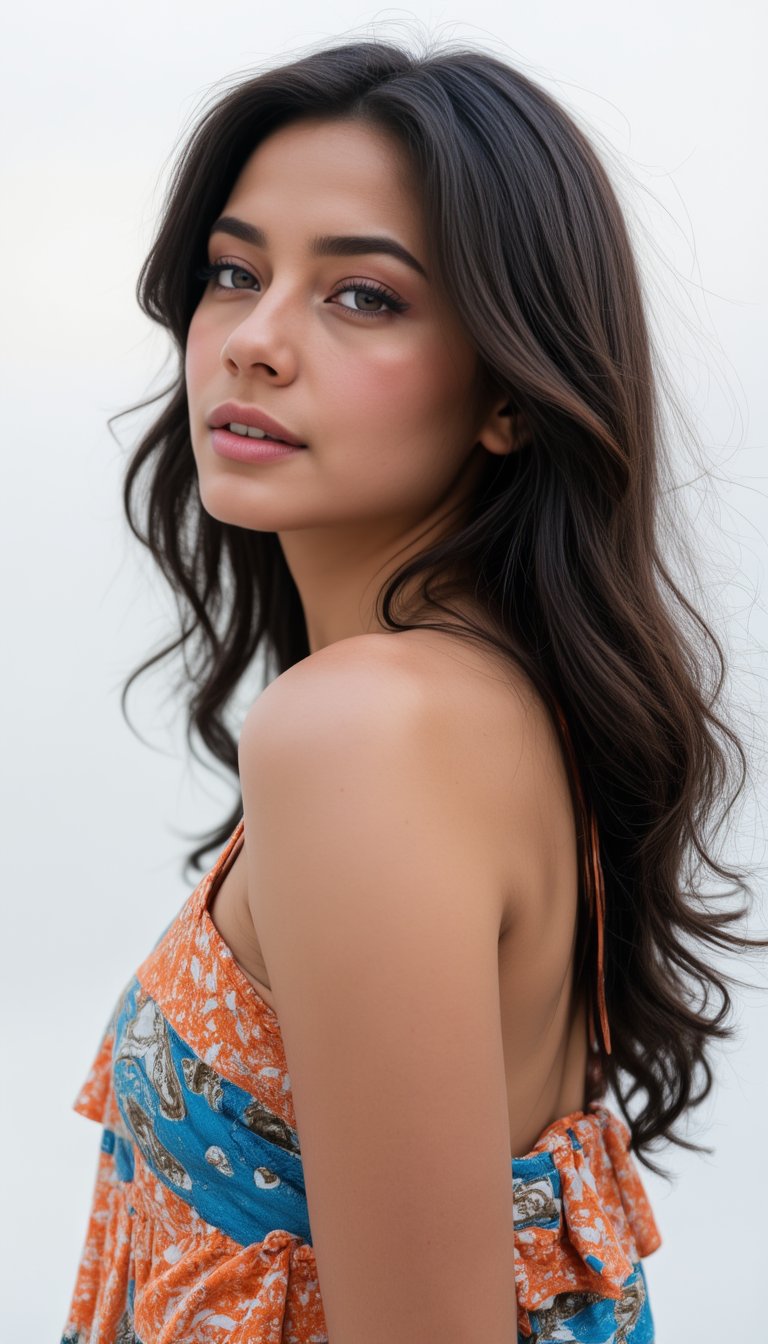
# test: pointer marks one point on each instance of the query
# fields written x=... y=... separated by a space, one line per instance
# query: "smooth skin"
x=408 y=875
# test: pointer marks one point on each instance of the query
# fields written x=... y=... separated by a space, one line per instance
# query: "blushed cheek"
x=407 y=391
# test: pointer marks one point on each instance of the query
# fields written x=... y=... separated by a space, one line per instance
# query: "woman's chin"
x=232 y=502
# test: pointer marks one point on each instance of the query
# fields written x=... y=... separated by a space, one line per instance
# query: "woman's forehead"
x=354 y=173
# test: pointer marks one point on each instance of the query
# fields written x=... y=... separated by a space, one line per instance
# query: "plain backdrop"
x=97 y=823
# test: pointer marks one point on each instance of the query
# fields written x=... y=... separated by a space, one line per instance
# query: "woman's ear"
x=504 y=429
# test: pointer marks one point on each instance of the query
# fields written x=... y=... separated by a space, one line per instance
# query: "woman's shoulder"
x=346 y=686
x=478 y=701
x=435 y=702
x=433 y=661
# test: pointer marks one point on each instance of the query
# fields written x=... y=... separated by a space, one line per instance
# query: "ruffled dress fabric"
x=199 y=1228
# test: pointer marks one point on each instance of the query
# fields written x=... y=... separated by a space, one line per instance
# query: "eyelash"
x=394 y=304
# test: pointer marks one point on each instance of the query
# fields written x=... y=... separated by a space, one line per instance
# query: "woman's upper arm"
x=379 y=929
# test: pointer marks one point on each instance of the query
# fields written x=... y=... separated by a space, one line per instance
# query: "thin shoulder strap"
x=594 y=882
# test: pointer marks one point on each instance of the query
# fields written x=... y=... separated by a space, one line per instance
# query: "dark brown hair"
x=561 y=543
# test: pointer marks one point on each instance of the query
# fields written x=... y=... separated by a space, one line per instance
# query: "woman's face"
x=349 y=346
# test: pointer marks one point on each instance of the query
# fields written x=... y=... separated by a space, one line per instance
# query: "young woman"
x=356 y=1092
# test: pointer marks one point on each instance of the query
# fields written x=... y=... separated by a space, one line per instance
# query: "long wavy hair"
x=560 y=546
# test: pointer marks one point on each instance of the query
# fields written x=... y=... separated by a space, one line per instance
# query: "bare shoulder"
x=350 y=739
x=361 y=681
x=441 y=714
x=424 y=672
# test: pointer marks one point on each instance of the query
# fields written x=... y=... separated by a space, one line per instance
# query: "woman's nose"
x=262 y=340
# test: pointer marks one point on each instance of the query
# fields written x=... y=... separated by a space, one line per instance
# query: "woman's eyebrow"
x=326 y=245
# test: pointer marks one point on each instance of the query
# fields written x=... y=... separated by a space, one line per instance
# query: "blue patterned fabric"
x=584 y=1318
x=231 y=1159
x=230 y=1150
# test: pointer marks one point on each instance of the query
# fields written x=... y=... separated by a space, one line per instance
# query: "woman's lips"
x=238 y=413
x=242 y=448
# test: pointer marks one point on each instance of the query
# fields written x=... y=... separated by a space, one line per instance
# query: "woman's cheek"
x=196 y=354
x=396 y=383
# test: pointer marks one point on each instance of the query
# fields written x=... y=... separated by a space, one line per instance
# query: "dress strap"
x=593 y=878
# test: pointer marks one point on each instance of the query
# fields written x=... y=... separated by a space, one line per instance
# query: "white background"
x=94 y=100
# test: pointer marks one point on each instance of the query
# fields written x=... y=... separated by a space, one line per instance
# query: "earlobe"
x=505 y=430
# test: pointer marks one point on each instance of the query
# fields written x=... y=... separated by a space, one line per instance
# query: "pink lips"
x=240 y=448
x=236 y=413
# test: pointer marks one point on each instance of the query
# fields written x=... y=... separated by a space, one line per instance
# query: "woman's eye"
x=240 y=277
x=368 y=300
x=362 y=300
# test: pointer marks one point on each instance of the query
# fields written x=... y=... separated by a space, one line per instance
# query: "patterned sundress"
x=199 y=1229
